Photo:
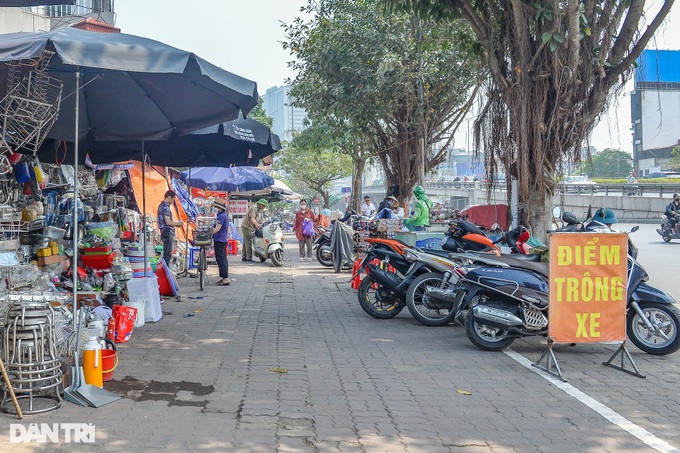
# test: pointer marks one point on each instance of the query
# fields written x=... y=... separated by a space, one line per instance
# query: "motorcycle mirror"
x=635 y=228
x=589 y=214
x=557 y=212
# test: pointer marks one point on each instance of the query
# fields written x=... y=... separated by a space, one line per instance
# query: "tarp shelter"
x=487 y=216
x=156 y=186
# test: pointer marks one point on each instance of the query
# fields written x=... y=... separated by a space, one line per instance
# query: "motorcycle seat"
x=437 y=252
x=529 y=257
x=258 y=232
x=535 y=266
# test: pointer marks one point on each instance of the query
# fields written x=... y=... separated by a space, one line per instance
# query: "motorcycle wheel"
x=417 y=302
x=666 y=318
x=324 y=256
x=377 y=300
x=277 y=257
x=666 y=237
x=262 y=259
x=486 y=338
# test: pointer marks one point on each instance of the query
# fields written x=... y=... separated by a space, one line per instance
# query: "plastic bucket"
x=164 y=284
x=109 y=364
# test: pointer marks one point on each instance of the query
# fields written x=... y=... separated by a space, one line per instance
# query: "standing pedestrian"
x=253 y=221
x=220 y=238
x=304 y=230
x=368 y=208
x=421 y=215
x=167 y=225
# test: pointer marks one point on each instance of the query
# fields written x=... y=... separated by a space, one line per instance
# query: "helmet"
x=606 y=216
x=676 y=196
x=418 y=190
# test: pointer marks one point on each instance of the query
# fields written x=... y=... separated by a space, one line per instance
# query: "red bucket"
x=164 y=286
x=109 y=363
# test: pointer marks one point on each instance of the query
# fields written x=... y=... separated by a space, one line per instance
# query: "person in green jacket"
x=421 y=216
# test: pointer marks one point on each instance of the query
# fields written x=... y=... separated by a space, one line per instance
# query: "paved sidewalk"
x=212 y=382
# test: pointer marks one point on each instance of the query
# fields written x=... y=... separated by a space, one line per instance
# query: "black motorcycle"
x=506 y=298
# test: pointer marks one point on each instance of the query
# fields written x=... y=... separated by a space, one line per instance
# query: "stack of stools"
x=29 y=353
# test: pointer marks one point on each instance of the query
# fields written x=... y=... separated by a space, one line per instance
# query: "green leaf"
x=545 y=37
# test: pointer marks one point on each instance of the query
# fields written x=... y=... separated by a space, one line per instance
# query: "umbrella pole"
x=75 y=235
x=144 y=205
x=186 y=233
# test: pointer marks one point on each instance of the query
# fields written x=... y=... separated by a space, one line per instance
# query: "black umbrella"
x=239 y=142
x=117 y=87
x=133 y=88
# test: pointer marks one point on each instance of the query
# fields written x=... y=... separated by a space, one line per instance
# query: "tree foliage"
x=608 y=163
x=674 y=161
x=400 y=84
x=312 y=158
x=554 y=68
x=258 y=114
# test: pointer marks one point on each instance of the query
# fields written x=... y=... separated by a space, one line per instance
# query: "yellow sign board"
x=588 y=287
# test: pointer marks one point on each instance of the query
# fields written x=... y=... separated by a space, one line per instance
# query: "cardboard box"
x=45 y=260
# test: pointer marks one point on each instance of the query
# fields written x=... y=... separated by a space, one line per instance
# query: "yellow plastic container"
x=92 y=362
x=45 y=252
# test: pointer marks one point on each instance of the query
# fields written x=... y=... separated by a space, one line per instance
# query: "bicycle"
x=203 y=239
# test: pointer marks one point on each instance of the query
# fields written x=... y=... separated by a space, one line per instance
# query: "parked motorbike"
x=381 y=293
x=430 y=297
x=666 y=231
x=268 y=243
x=507 y=298
x=322 y=245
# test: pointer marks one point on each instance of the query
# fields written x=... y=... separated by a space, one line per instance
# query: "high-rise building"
x=655 y=110
x=65 y=15
x=286 y=118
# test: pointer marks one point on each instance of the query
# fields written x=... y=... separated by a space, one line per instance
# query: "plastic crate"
x=97 y=250
x=97 y=261
x=430 y=243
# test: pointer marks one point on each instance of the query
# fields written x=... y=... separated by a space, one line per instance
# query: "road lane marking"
x=615 y=418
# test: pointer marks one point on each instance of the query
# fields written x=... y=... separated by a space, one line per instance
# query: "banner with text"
x=588 y=287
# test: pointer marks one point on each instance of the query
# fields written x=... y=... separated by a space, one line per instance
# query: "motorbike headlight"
x=272 y=228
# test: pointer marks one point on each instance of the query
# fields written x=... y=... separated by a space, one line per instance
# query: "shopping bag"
x=121 y=323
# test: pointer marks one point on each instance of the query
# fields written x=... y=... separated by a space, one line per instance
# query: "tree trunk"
x=538 y=218
x=326 y=199
x=357 y=180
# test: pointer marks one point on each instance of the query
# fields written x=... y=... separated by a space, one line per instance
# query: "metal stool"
x=29 y=352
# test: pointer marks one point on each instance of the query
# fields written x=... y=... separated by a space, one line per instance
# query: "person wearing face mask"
x=303 y=230
x=220 y=238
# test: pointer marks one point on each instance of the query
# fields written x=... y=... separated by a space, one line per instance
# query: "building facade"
x=655 y=110
x=50 y=17
x=277 y=104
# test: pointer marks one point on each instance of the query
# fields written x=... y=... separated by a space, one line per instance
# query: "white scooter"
x=270 y=244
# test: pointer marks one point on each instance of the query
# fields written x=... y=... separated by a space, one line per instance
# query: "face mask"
x=303 y=206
